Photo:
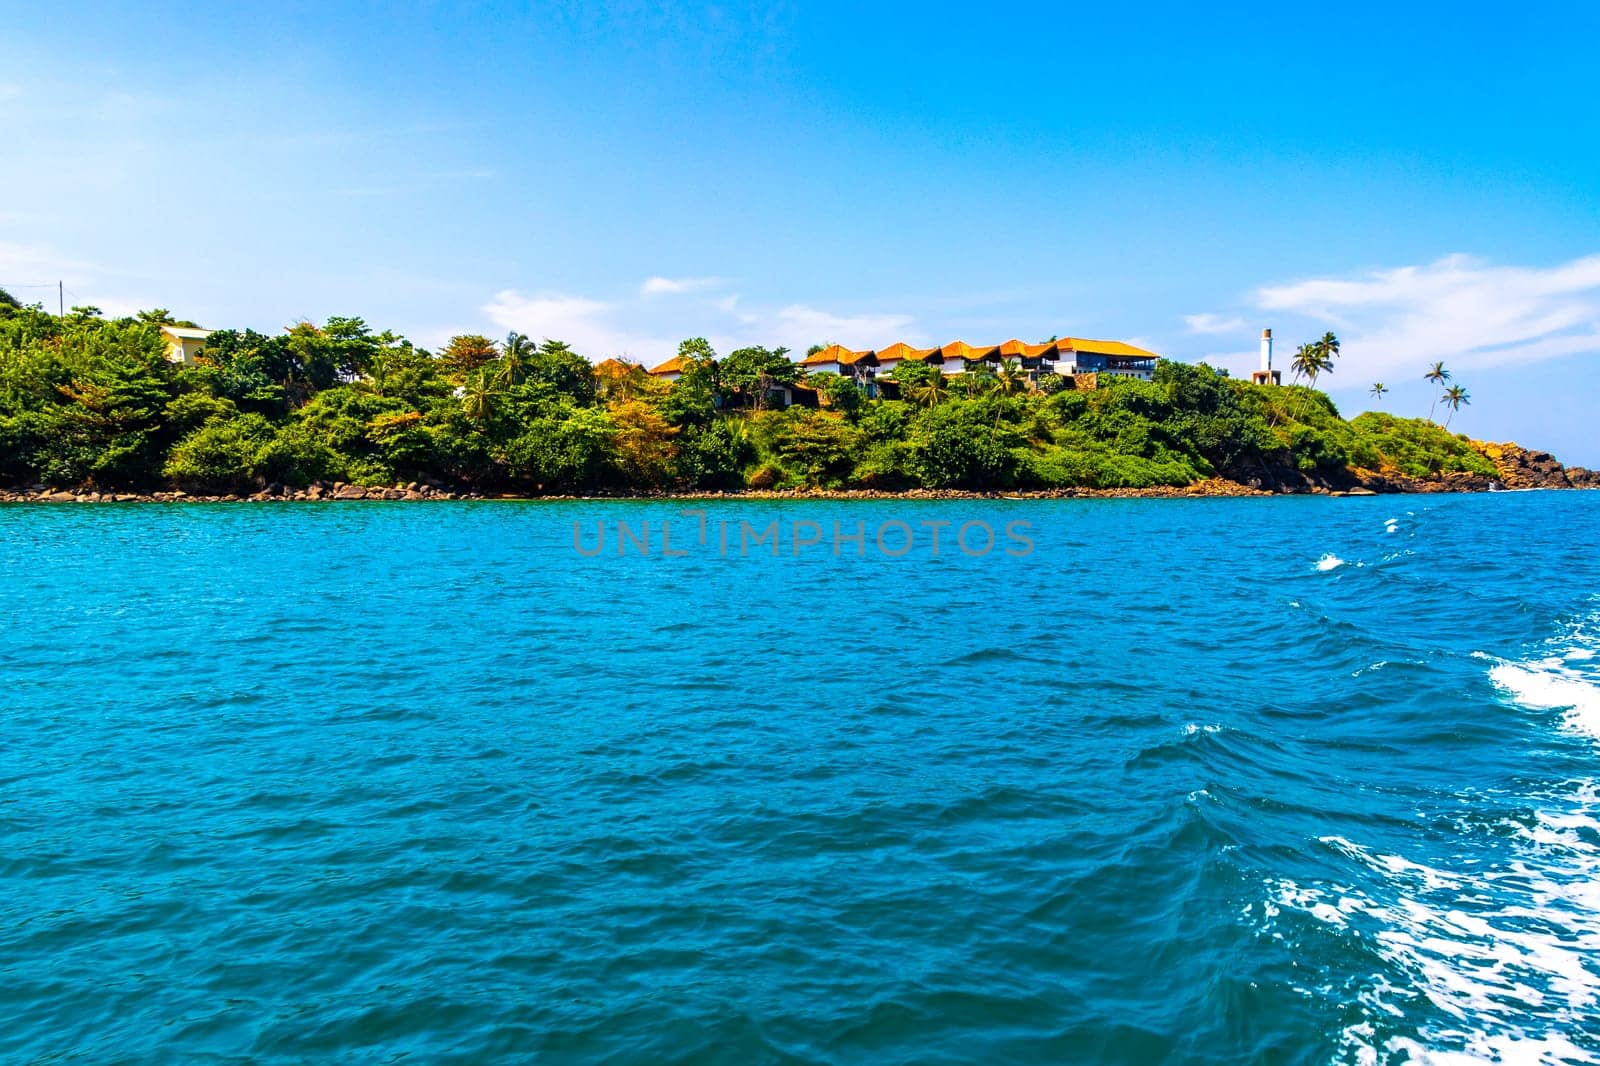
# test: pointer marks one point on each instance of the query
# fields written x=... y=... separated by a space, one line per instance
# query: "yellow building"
x=184 y=343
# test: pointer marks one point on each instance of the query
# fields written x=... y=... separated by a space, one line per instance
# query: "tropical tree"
x=1377 y=390
x=933 y=391
x=515 y=355
x=466 y=353
x=477 y=399
x=749 y=374
x=1438 y=375
x=1330 y=346
x=1011 y=379
x=1313 y=359
x=1454 y=397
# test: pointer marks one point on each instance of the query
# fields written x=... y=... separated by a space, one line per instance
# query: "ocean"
x=1287 y=780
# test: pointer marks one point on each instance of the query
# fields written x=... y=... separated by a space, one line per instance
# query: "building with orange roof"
x=1065 y=355
x=671 y=370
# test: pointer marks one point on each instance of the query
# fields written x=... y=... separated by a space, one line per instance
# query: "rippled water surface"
x=1213 y=781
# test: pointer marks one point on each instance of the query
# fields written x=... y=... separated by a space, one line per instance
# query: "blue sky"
x=1424 y=181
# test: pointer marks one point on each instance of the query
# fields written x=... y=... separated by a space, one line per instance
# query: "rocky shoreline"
x=1518 y=468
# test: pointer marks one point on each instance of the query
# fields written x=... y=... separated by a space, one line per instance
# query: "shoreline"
x=1213 y=488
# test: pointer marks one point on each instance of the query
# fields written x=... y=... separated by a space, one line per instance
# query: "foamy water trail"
x=1505 y=950
x=1328 y=562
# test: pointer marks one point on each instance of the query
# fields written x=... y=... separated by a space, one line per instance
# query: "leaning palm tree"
x=1330 y=347
x=1454 y=397
x=1309 y=361
x=1377 y=390
x=1438 y=375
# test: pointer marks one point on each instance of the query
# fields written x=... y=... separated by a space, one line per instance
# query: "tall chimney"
x=1266 y=351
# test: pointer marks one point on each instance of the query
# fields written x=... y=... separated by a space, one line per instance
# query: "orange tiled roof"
x=671 y=366
x=615 y=367
x=1080 y=344
x=902 y=350
x=836 y=353
x=960 y=350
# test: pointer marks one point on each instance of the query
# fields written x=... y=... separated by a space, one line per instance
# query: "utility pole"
x=61 y=299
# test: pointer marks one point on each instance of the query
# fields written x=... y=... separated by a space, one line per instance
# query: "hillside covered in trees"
x=90 y=403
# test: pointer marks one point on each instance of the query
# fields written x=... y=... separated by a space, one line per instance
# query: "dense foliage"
x=87 y=401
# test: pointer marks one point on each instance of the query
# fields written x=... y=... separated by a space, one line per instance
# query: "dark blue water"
x=1213 y=781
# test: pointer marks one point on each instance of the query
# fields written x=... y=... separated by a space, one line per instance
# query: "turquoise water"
x=1211 y=781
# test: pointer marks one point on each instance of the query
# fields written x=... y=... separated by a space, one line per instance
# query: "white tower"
x=1266 y=375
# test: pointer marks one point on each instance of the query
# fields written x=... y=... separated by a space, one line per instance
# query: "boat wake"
x=1492 y=955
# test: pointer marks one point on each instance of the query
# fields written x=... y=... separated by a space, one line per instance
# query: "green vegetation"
x=89 y=401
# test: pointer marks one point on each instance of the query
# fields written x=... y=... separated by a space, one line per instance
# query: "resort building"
x=184 y=343
x=671 y=370
x=1069 y=356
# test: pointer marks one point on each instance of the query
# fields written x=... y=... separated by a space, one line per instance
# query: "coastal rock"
x=349 y=492
x=1520 y=468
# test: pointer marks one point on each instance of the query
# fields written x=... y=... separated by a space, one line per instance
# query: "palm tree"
x=477 y=400
x=517 y=350
x=1010 y=378
x=1330 y=347
x=934 y=390
x=1454 y=397
x=1438 y=375
x=1310 y=360
x=1377 y=390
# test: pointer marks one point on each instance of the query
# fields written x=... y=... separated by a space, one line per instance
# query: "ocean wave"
x=1477 y=965
x=1328 y=562
x=1551 y=681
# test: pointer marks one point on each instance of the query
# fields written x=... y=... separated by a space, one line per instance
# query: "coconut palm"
x=1438 y=375
x=477 y=399
x=933 y=391
x=1310 y=360
x=1010 y=378
x=515 y=353
x=1377 y=390
x=1454 y=397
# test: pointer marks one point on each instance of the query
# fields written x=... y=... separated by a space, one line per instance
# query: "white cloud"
x=798 y=327
x=659 y=286
x=590 y=326
x=1213 y=324
x=649 y=330
x=1460 y=309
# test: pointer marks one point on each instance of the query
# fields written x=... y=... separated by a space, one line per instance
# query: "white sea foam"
x=1549 y=685
x=1391 y=525
x=1561 y=680
x=1510 y=955
x=1328 y=562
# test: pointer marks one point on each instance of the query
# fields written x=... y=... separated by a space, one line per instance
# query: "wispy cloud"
x=645 y=328
x=1461 y=309
x=659 y=286
x=798 y=327
x=592 y=327
x=1211 y=324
